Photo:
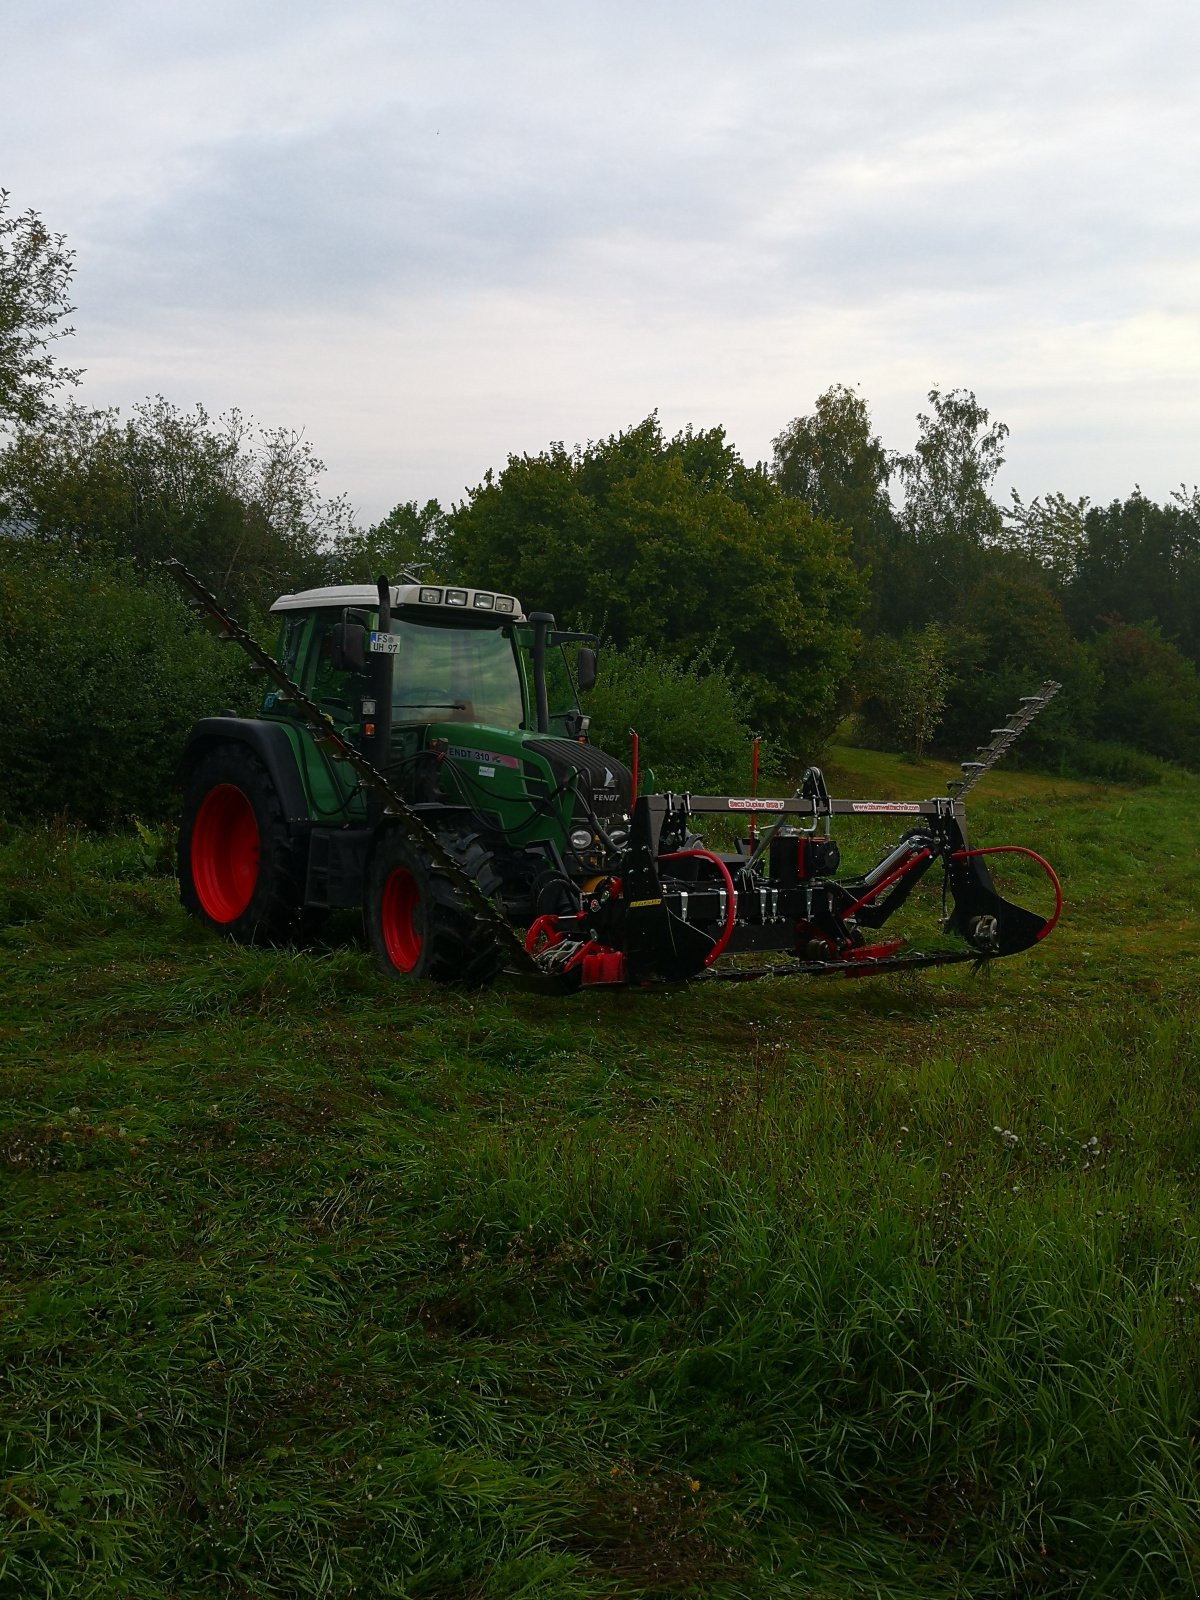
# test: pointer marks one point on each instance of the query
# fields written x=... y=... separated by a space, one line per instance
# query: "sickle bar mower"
x=677 y=907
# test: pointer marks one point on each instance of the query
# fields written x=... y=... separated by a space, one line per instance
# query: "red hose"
x=1022 y=850
x=718 y=949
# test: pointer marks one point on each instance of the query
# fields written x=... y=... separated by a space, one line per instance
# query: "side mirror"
x=350 y=643
x=585 y=668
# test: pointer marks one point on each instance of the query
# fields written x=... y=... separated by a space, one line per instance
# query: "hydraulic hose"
x=718 y=949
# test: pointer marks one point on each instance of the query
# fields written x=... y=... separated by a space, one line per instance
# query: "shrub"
x=102 y=673
x=1151 y=693
x=1114 y=763
x=902 y=684
x=692 y=729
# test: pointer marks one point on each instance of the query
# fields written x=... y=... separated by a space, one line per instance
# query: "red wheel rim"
x=225 y=848
x=398 y=919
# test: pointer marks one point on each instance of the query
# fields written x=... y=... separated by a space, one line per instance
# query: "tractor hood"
x=564 y=780
x=604 y=784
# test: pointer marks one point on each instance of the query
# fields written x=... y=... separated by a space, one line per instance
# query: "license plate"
x=385 y=644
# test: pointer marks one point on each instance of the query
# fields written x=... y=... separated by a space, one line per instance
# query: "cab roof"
x=482 y=604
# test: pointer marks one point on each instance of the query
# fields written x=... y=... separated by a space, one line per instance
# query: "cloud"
x=459 y=226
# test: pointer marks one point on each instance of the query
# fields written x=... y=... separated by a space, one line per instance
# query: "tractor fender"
x=269 y=742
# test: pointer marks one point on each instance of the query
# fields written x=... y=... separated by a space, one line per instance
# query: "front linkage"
x=677 y=907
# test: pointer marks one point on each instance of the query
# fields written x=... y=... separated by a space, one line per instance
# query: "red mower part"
x=225 y=851
x=868 y=953
x=543 y=932
x=398 y=919
x=598 y=965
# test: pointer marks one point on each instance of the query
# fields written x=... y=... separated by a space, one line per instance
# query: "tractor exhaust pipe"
x=379 y=679
x=541 y=622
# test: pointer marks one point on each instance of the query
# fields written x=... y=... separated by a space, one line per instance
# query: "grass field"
x=318 y=1285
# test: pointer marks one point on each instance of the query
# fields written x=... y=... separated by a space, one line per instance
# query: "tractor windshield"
x=453 y=674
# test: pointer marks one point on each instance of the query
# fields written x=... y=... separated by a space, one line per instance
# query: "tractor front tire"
x=239 y=867
x=419 y=924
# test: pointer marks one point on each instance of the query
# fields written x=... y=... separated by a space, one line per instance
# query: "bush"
x=692 y=730
x=902 y=685
x=1114 y=763
x=1010 y=636
x=1150 y=696
x=102 y=673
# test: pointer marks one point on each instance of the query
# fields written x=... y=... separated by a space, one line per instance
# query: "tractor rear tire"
x=240 y=869
x=419 y=924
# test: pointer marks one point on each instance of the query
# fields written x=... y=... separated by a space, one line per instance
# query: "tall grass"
x=316 y=1286
x=861 y=1291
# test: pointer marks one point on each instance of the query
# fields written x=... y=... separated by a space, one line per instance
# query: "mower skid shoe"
x=991 y=925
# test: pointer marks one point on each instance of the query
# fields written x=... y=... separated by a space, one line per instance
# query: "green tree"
x=1140 y=562
x=676 y=543
x=409 y=539
x=35 y=281
x=835 y=463
x=1049 y=530
x=240 y=505
x=948 y=516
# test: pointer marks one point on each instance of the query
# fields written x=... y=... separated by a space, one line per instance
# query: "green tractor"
x=468 y=708
x=420 y=752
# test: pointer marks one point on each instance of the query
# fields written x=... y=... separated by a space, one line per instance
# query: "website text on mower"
x=420 y=752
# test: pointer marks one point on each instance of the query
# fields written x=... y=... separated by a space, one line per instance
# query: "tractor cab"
x=457 y=655
x=465 y=702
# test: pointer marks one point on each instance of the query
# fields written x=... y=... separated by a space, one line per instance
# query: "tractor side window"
x=287 y=652
x=290 y=635
x=330 y=686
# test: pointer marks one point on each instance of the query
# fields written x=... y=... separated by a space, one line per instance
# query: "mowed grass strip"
x=316 y=1285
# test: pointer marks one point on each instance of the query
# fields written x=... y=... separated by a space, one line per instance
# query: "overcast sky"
x=432 y=236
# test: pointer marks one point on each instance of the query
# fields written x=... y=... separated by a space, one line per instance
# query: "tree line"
x=841 y=577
